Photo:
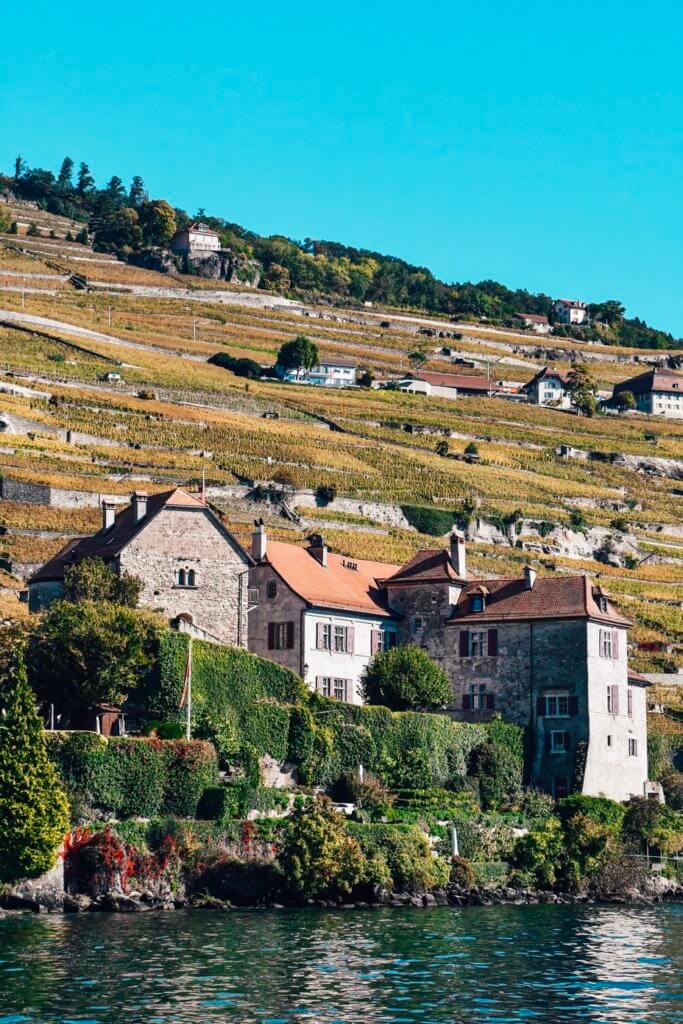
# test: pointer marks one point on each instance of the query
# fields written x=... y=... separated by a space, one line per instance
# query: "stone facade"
x=189 y=540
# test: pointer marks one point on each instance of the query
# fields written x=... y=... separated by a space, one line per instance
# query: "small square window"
x=558 y=742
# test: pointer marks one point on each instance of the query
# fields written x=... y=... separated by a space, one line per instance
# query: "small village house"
x=330 y=373
x=455 y=385
x=550 y=386
x=192 y=569
x=195 y=240
x=658 y=392
x=538 y=324
x=570 y=311
x=320 y=614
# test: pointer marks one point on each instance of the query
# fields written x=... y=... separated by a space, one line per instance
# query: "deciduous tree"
x=406 y=678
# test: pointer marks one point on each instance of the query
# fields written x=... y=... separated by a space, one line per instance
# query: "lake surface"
x=485 y=965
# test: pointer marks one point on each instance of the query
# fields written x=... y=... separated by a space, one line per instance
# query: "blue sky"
x=537 y=144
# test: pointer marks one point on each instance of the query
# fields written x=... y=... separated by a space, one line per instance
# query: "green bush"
x=318 y=856
x=405 y=851
x=405 y=678
x=130 y=777
x=498 y=771
x=462 y=874
x=432 y=521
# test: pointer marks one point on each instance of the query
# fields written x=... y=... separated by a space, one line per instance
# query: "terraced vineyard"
x=173 y=417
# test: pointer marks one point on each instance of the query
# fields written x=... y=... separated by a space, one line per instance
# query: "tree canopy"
x=300 y=353
x=404 y=679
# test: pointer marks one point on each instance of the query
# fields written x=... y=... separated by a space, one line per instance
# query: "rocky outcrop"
x=225 y=265
x=671 y=468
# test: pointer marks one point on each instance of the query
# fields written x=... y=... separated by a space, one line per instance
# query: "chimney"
x=139 y=505
x=458 y=557
x=318 y=548
x=259 y=541
x=108 y=515
x=529 y=577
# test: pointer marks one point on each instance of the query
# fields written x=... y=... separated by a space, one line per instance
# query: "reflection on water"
x=481 y=965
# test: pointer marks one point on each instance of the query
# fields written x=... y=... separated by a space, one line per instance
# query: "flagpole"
x=188 y=721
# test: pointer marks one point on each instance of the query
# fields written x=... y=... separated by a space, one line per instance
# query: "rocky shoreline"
x=50 y=902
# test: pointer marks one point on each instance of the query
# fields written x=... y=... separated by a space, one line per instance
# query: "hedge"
x=433 y=521
x=127 y=777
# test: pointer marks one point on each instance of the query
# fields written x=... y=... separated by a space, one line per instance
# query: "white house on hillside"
x=195 y=239
x=570 y=311
x=332 y=373
x=549 y=387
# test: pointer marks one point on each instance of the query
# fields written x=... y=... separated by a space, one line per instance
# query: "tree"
x=90 y=653
x=417 y=358
x=82 y=236
x=92 y=579
x=157 y=220
x=120 y=230
x=301 y=353
x=406 y=678
x=318 y=856
x=582 y=388
x=20 y=167
x=34 y=814
x=610 y=312
x=626 y=400
x=65 y=176
x=86 y=181
x=442 y=448
x=116 y=191
x=472 y=449
x=138 y=194
x=5 y=218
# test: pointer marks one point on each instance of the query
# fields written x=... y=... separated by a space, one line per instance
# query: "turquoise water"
x=485 y=965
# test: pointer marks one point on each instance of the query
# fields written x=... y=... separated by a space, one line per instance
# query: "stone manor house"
x=547 y=653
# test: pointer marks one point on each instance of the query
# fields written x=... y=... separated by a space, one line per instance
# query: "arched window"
x=181 y=578
x=190 y=578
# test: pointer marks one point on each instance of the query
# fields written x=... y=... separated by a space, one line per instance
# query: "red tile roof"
x=551 y=597
x=108 y=544
x=658 y=379
x=548 y=371
x=534 y=317
x=426 y=566
x=335 y=585
x=462 y=381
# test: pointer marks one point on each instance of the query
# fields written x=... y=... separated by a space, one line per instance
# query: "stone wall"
x=286 y=606
x=25 y=491
x=190 y=539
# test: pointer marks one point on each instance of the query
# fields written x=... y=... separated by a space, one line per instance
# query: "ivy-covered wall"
x=130 y=777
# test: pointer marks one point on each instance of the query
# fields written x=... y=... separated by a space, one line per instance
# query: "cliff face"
x=216 y=266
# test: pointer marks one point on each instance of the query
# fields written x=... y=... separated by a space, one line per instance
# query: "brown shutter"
x=490 y=701
x=547 y=743
x=466 y=700
x=493 y=642
x=464 y=643
x=573 y=705
x=271 y=636
x=290 y=636
x=540 y=706
x=615 y=644
x=615 y=700
x=350 y=635
x=319 y=636
x=374 y=641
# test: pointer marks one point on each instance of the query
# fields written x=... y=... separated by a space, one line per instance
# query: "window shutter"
x=615 y=644
x=466 y=700
x=374 y=641
x=350 y=635
x=319 y=636
x=615 y=700
x=573 y=705
x=493 y=642
x=271 y=636
x=318 y=684
x=290 y=636
x=547 y=743
x=490 y=701
x=540 y=706
x=464 y=643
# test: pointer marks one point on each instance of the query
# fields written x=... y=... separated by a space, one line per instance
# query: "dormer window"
x=478 y=602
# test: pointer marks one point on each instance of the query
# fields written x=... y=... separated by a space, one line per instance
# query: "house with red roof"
x=549 y=653
x=570 y=311
x=192 y=570
x=657 y=392
x=549 y=386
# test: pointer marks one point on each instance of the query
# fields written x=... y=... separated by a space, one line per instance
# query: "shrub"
x=538 y=853
x=471 y=449
x=325 y=493
x=92 y=579
x=433 y=521
x=498 y=771
x=405 y=850
x=250 y=882
x=405 y=678
x=34 y=813
x=318 y=857
x=462 y=874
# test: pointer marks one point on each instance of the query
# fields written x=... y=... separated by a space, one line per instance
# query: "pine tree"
x=138 y=193
x=85 y=179
x=34 y=813
x=64 y=182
